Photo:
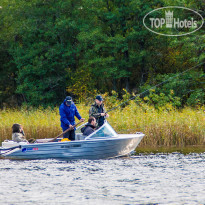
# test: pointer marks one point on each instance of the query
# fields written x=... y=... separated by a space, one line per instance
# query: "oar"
x=70 y=128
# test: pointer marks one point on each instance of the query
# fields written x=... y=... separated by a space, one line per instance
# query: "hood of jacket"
x=87 y=125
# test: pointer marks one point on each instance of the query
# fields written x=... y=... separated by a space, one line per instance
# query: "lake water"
x=140 y=179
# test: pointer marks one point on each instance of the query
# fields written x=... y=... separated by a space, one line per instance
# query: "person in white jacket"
x=18 y=133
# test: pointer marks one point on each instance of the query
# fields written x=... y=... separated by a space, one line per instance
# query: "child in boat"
x=18 y=133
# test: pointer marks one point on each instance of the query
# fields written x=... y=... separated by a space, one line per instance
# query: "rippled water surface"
x=143 y=179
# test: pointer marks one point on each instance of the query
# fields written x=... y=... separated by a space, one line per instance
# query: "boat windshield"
x=105 y=131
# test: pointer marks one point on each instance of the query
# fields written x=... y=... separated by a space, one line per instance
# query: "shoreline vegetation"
x=166 y=128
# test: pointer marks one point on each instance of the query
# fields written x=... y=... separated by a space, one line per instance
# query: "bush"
x=177 y=90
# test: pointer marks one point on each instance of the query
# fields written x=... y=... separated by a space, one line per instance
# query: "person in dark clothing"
x=97 y=110
x=68 y=111
x=90 y=127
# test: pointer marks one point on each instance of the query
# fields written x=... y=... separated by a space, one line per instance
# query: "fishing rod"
x=138 y=95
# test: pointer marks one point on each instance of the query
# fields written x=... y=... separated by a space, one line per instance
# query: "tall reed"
x=166 y=127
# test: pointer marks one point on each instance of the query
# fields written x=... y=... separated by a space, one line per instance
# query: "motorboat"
x=102 y=144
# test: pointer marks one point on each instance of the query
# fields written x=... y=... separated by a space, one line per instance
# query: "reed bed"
x=161 y=127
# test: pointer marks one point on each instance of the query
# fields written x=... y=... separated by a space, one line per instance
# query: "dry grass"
x=162 y=128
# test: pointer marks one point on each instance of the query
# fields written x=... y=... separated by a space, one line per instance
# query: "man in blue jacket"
x=68 y=111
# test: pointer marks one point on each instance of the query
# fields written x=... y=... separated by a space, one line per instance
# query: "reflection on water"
x=140 y=179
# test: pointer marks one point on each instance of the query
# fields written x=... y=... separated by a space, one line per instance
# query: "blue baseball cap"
x=99 y=97
x=68 y=100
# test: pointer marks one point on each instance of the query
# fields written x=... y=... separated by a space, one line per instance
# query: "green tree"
x=115 y=46
x=44 y=48
x=51 y=48
x=7 y=67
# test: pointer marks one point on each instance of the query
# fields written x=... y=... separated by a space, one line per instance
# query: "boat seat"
x=80 y=136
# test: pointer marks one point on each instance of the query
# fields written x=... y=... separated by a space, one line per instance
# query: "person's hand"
x=106 y=115
x=102 y=114
x=21 y=129
x=82 y=119
x=70 y=126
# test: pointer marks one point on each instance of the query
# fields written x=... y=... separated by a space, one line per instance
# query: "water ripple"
x=143 y=179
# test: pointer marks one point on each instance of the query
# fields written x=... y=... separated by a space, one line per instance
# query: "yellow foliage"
x=165 y=127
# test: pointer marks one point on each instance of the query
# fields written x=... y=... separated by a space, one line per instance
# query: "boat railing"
x=79 y=127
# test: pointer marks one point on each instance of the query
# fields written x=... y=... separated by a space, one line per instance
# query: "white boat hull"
x=81 y=149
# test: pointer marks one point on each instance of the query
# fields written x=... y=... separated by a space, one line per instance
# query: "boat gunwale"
x=125 y=136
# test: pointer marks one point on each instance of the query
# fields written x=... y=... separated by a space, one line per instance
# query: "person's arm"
x=63 y=117
x=22 y=138
x=104 y=111
x=77 y=114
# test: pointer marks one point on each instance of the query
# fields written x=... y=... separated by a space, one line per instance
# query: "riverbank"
x=167 y=150
x=165 y=128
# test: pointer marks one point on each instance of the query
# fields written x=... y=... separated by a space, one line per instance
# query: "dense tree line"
x=50 y=49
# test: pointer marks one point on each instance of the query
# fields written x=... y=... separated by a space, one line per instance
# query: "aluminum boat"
x=101 y=144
